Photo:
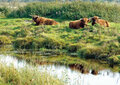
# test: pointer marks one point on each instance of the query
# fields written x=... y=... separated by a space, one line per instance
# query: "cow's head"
x=34 y=17
x=85 y=21
x=95 y=19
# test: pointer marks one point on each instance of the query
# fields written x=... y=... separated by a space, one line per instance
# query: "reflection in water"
x=70 y=77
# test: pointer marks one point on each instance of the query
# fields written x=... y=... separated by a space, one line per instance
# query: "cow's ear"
x=89 y=20
x=36 y=17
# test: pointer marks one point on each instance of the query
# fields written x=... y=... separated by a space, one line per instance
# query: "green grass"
x=25 y=76
x=92 y=42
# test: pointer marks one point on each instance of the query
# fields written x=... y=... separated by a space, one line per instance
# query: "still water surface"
x=70 y=77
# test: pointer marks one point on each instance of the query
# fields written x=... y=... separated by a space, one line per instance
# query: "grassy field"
x=92 y=42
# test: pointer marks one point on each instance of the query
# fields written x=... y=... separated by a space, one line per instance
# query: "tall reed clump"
x=4 y=11
x=39 y=8
x=25 y=76
x=70 y=10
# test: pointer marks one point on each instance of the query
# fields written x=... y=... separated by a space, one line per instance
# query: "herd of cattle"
x=73 y=24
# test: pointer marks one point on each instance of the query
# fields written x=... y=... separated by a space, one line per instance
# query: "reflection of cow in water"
x=82 y=69
x=79 y=67
x=43 y=20
x=97 y=20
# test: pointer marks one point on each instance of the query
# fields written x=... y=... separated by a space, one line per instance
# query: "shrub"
x=5 y=11
x=90 y=52
x=2 y=82
x=113 y=48
x=4 y=40
x=119 y=39
x=42 y=9
x=118 y=56
x=52 y=43
x=74 y=47
x=114 y=59
x=9 y=75
x=37 y=43
x=70 y=10
x=24 y=43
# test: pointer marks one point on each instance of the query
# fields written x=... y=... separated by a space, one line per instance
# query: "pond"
x=67 y=75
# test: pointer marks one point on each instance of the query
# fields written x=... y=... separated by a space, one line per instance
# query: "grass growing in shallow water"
x=25 y=76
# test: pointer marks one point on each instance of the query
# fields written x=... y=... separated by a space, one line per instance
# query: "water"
x=70 y=77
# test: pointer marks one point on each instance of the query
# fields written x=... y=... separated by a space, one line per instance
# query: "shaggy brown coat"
x=43 y=21
x=50 y=22
x=96 y=20
x=79 y=23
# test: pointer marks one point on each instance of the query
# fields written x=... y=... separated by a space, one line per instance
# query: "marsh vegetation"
x=59 y=43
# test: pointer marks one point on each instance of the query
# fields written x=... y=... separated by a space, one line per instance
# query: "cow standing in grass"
x=97 y=20
x=79 y=23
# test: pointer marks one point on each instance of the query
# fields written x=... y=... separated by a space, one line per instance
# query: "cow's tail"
x=107 y=24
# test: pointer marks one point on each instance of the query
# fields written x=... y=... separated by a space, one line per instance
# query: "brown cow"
x=79 y=23
x=43 y=21
x=50 y=22
x=96 y=20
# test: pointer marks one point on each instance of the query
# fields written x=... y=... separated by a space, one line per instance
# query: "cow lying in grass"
x=79 y=23
x=97 y=20
x=50 y=22
x=43 y=21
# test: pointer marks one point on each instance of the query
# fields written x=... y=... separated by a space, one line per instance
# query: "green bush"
x=9 y=75
x=5 y=11
x=37 y=43
x=52 y=43
x=42 y=9
x=118 y=56
x=70 y=10
x=90 y=52
x=4 y=40
x=112 y=48
x=2 y=82
x=119 y=39
x=24 y=43
x=114 y=59
x=74 y=47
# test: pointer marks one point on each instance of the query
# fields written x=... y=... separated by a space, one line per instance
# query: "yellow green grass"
x=92 y=42
x=25 y=76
